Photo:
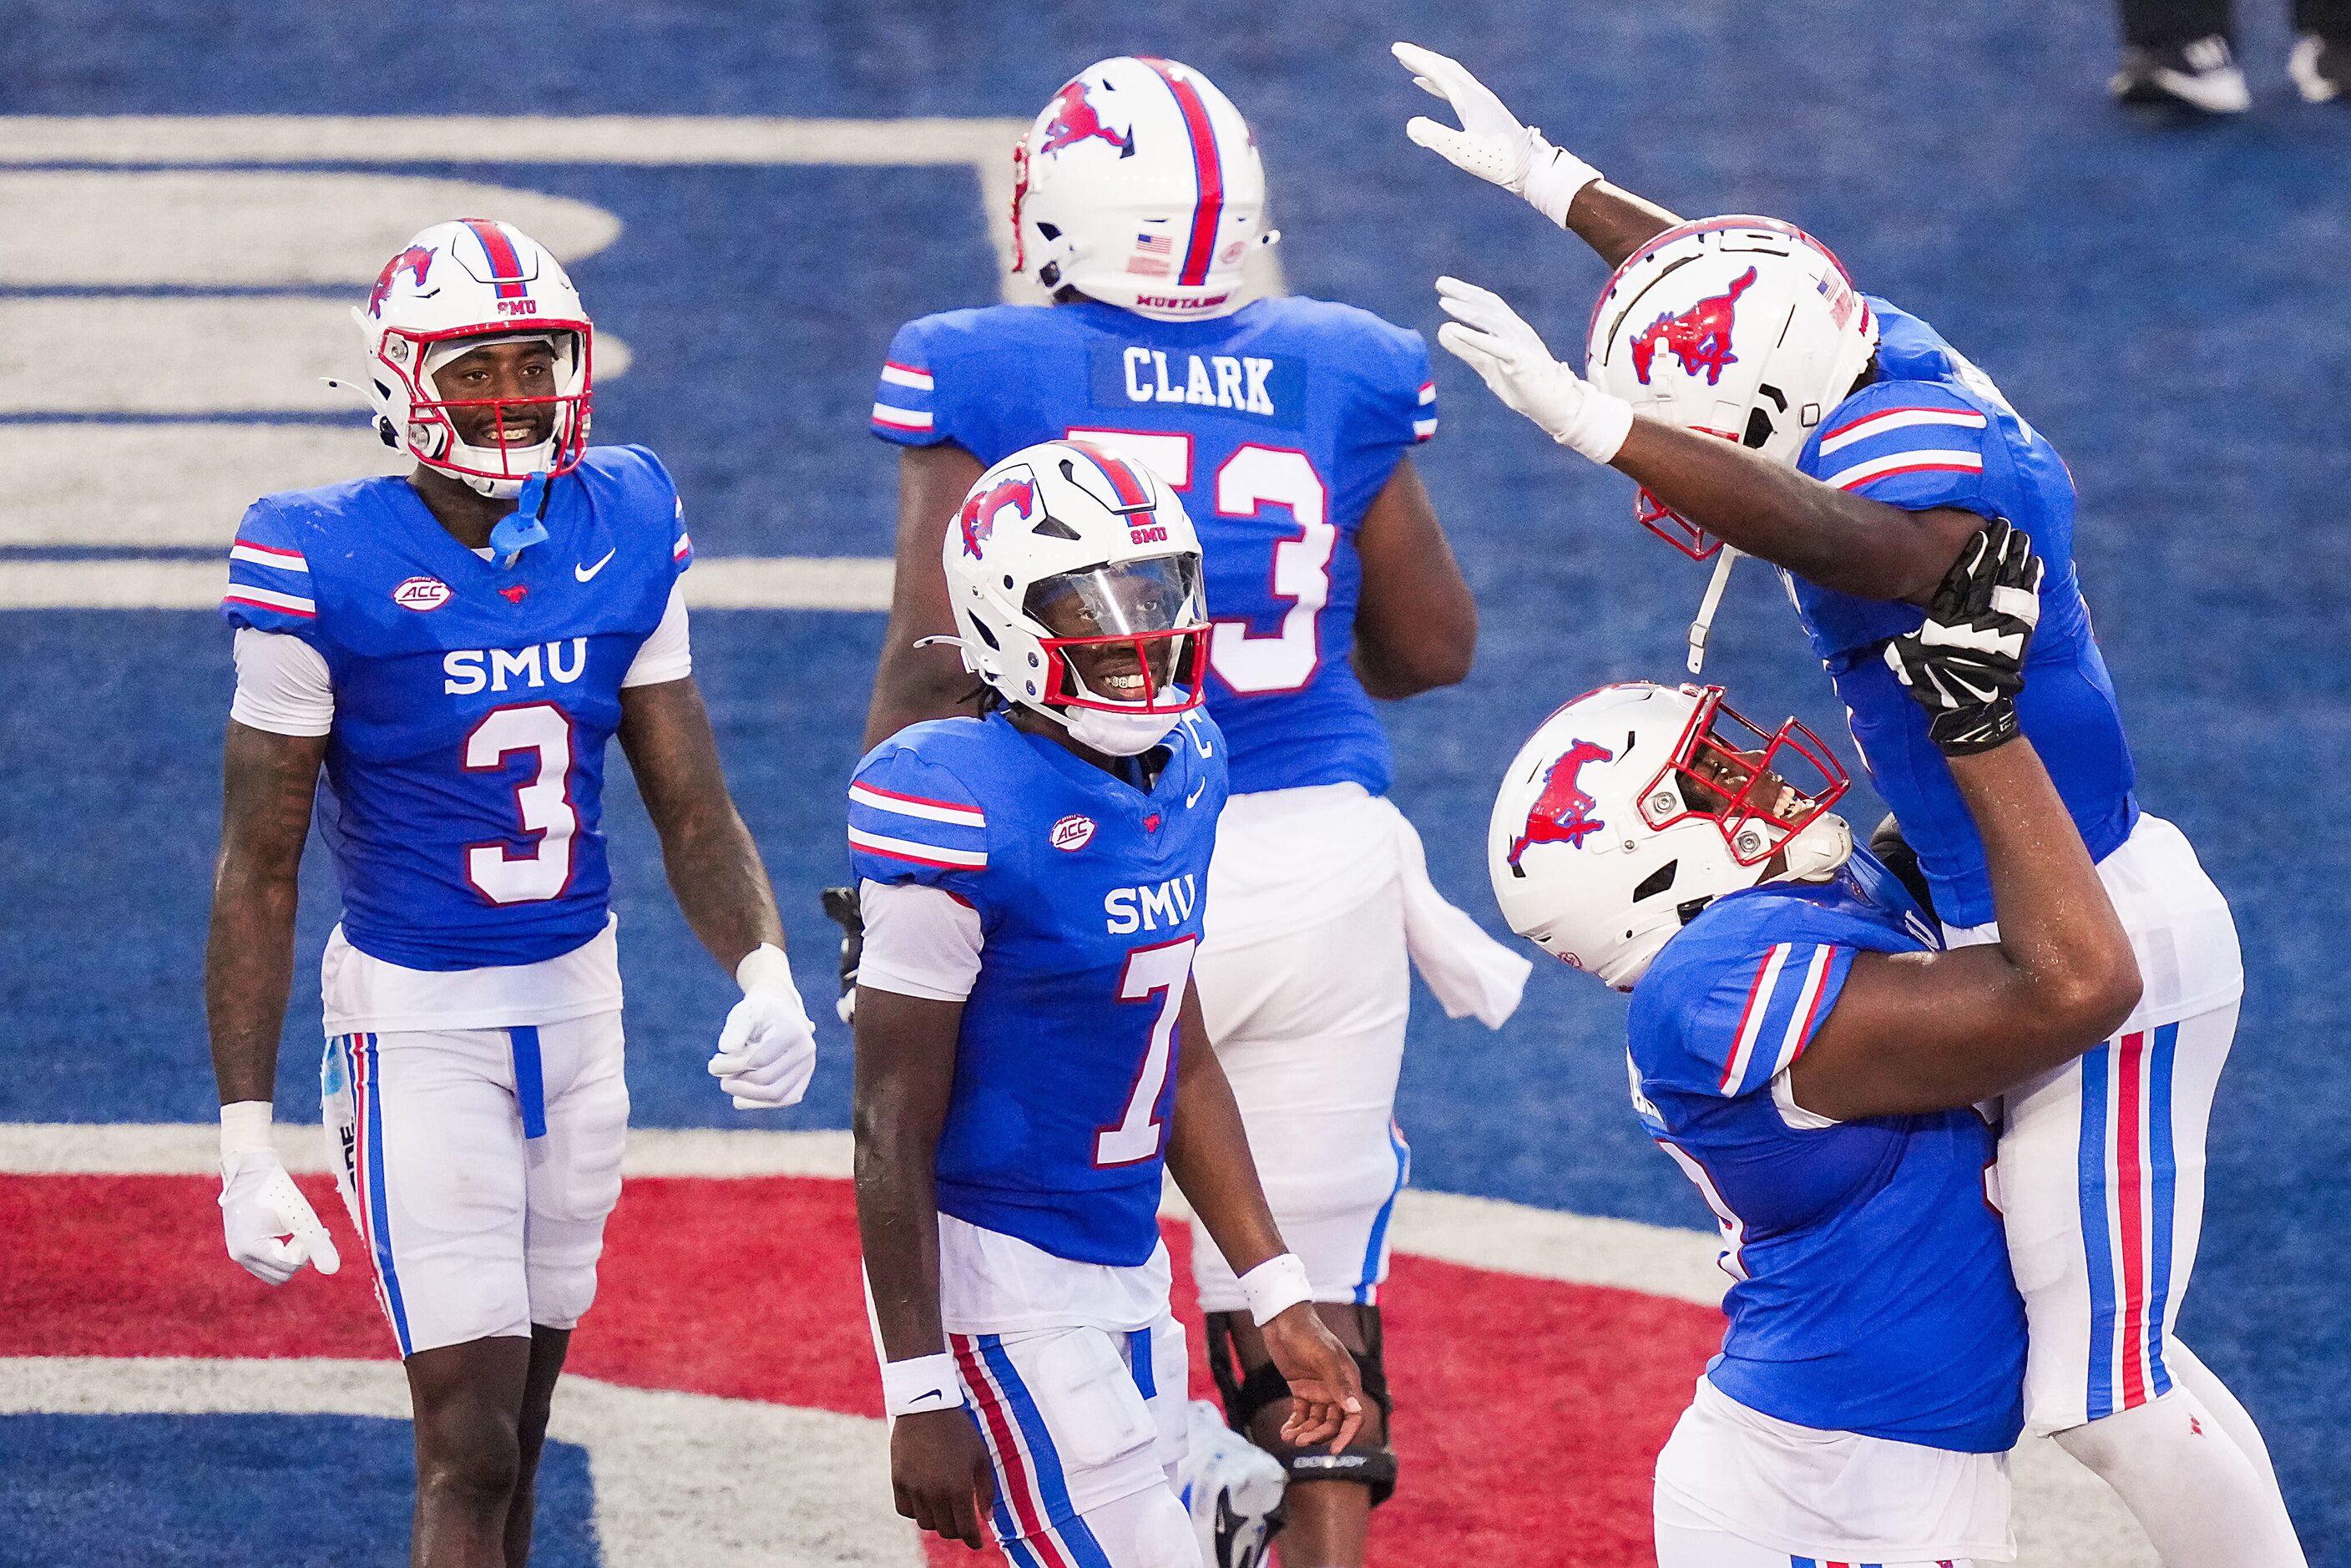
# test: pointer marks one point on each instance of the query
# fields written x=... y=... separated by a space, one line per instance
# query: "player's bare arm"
x=1208 y=1154
x=714 y=867
x=767 y=1051
x=912 y=684
x=1833 y=537
x=1415 y=621
x=905 y=1070
x=267 y=785
x=1925 y=1031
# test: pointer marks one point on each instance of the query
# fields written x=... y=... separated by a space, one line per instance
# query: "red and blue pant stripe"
x=2129 y=1180
x=1035 y=1522
x=367 y=1171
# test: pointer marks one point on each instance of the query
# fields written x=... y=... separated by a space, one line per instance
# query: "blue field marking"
x=2166 y=307
x=229 y=1492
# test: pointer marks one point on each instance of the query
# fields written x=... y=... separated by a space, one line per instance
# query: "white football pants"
x=479 y=1166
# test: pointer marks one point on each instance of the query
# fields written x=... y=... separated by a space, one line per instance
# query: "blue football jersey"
x=1933 y=431
x=1871 y=1291
x=1279 y=424
x=1089 y=892
x=465 y=768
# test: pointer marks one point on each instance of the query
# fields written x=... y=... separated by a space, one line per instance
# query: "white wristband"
x=924 y=1383
x=765 y=969
x=244 y=1128
x=1555 y=177
x=1600 y=427
x=1275 y=1286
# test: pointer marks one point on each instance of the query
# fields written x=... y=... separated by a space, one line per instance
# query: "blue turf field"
x=2165 y=305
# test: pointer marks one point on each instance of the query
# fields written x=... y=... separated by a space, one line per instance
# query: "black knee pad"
x=1247 y=1391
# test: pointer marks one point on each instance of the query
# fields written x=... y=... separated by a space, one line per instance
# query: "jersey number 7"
x=1163 y=972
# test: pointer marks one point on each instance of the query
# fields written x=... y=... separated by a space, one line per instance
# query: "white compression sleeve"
x=919 y=942
x=668 y=653
x=282 y=684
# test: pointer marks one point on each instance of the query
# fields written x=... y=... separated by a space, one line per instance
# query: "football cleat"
x=2318 y=66
x=1233 y=1489
x=2201 y=75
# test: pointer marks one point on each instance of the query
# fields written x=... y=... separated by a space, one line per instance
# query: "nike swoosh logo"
x=1192 y=799
x=933 y=1394
x=584 y=572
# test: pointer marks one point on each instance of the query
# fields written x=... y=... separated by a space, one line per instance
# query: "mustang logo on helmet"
x=417 y=260
x=1699 y=337
x=1562 y=814
x=1075 y=120
x=978 y=519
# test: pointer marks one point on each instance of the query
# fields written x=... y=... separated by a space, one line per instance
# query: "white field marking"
x=169 y=485
x=681 y=1480
x=2064 y=1514
x=238 y=228
x=720 y=582
x=211 y=355
x=985 y=145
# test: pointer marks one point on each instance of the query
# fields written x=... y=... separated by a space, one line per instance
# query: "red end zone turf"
x=1529 y=1410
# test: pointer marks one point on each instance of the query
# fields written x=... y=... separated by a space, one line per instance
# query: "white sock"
x=2234 y=1418
x=2201 y=1501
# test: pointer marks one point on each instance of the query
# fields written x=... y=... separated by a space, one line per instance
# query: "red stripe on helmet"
x=506 y=265
x=1133 y=494
x=1208 y=167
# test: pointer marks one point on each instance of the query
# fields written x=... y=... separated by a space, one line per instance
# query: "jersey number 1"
x=543 y=801
x=1163 y=972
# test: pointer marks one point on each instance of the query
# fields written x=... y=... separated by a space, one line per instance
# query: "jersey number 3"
x=1161 y=973
x=542 y=801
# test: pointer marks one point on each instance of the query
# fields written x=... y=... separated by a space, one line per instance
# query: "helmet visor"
x=1760 y=788
x=1127 y=637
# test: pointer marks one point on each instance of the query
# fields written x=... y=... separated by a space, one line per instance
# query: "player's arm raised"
x=1492 y=145
x=1208 y=1154
x=1833 y=537
x=912 y=684
x=1927 y=1031
x=268 y=783
x=905 y=1075
x=1415 y=621
x=766 y=1052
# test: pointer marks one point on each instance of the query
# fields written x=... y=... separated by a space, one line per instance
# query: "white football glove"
x=1492 y=143
x=271 y=1229
x=766 y=1052
x=1487 y=336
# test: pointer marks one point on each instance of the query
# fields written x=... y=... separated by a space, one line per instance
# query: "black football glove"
x=842 y=905
x=1966 y=664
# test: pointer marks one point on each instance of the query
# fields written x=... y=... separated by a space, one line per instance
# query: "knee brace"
x=1247 y=1390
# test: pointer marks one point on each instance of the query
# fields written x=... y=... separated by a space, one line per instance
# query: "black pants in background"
x=2167 y=24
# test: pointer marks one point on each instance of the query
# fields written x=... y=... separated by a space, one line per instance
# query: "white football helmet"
x=1140 y=186
x=453 y=287
x=1744 y=327
x=1635 y=806
x=1074 y=577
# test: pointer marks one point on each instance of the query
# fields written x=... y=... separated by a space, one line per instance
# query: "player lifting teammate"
x=454 y=648
x=1287 y=423
x=1028 y=1039
x=1761 y=400
x=1803 y=1049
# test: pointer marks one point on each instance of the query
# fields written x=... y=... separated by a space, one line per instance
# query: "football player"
x=454 y=648
x=1287 y=424
x=1805 y=1050
x=1761 y=400
x=1029 y=1039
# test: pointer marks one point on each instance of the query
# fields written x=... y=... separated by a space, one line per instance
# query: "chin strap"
x=526 y=525
x=1708 y=605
